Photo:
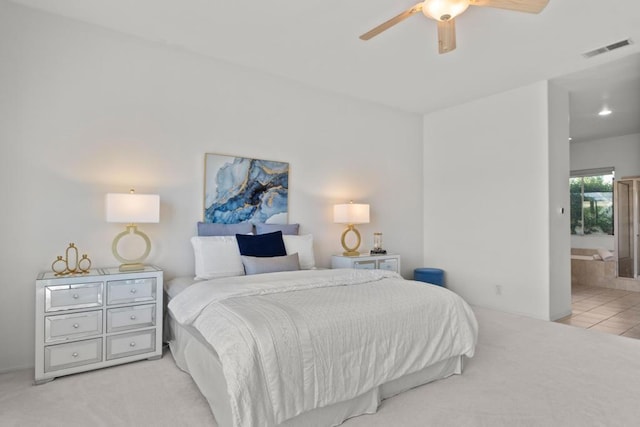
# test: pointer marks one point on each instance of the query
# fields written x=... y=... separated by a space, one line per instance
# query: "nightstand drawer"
x=63 y=356
x=388 y=264
x=72 y=326
x=365 y=265
x=124 y=345
x=67 y=297
x=128 y=291
x=122 y=319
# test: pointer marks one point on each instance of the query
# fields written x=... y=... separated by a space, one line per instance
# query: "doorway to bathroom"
x=592 y=227
x=605 y=134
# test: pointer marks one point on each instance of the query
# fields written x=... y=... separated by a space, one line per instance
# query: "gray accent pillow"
x=214 y=229
x=258 y=265
x=290 y=229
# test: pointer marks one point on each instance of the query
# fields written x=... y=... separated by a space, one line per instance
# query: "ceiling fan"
x=445 y=12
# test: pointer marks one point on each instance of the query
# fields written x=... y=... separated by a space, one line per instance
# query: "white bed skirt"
x=195 y=356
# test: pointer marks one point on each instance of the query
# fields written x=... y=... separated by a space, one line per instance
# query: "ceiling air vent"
x=608 y=48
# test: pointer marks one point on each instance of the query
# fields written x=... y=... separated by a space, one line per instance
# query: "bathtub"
x=587 y=270
x=585 y=257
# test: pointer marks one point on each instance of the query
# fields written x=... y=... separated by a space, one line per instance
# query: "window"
x=592 y=202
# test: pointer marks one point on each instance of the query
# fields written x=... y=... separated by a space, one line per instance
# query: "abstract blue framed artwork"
x=239 y=189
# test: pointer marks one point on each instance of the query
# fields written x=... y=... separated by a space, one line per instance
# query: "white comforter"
x=290 y=342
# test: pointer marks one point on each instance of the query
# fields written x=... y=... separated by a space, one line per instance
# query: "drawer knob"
x=133 y=317
x=75 y=354
x=132 y=344
x=133 y=290
x=76 y=326
x=76 y=296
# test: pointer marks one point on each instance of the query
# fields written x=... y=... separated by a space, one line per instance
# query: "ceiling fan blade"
x=529 y=6
x=446 y=36
x=391 y=22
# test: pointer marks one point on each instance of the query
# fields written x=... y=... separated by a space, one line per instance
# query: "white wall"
x=559 y=204
x=623 y=153
x=87 y=111
x=487 y=201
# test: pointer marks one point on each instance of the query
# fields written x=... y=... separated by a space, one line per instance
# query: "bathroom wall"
x=622 y=153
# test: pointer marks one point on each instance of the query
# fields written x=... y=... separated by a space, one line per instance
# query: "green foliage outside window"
x=591 y=204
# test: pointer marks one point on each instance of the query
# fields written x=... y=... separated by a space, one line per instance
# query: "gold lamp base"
x=131 y=267
x=348 y=250
x=136 y=263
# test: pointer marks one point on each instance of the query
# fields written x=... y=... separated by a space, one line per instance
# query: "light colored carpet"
x=525 y=373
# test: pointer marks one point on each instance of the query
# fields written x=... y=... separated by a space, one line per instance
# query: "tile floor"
x=609 y=310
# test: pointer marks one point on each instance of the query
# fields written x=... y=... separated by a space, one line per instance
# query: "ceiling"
x=615 y=85
x=316 y=42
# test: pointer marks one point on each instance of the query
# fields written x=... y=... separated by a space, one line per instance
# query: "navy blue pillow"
x=262 y=245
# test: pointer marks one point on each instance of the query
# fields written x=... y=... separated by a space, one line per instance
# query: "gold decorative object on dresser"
x=71 y=264
x=98 y=319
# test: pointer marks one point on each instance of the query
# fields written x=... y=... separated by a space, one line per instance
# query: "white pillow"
x=303 y=245
x=217 y=256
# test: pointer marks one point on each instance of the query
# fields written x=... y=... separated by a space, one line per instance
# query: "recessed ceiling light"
x=605 y=111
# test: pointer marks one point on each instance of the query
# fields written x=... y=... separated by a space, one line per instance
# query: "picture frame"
x=241 y=189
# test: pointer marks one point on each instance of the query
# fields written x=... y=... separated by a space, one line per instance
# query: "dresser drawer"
x=72 y=326
x=139 y=316
x=67 y=297
x=63 y=356
x=128 y=291
x=124 y=345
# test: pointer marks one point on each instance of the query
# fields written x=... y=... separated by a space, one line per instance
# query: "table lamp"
x=130 y=209
x=351 y=214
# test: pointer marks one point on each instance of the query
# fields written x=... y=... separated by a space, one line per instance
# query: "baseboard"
x=562 y=315
x=15 y=369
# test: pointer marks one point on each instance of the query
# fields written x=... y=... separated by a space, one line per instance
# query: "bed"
x=272 y=341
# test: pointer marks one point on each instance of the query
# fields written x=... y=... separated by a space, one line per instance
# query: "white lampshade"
x=351 y=213
x=133 y=208
x=444 y=10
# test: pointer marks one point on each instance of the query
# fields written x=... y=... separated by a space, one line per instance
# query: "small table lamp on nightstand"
x=131 y=209
x=351 y=214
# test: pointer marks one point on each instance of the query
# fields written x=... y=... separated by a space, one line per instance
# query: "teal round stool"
x=435 y=276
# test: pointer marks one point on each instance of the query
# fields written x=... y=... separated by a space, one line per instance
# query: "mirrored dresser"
x=94 y=320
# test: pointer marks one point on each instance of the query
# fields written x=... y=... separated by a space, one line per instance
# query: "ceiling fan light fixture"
x=444 y=10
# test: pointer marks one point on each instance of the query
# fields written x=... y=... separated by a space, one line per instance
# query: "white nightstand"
x=383 y=262
x=95 y=320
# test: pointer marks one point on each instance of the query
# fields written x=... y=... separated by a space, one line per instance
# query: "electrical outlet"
x=498 y=289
